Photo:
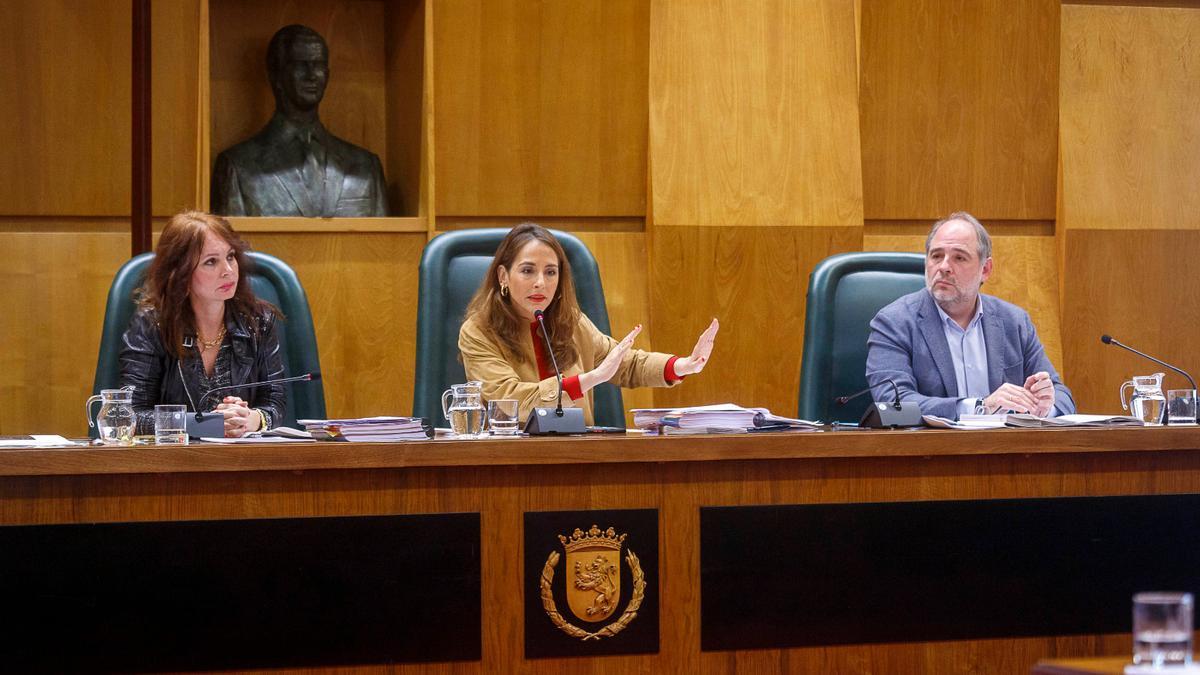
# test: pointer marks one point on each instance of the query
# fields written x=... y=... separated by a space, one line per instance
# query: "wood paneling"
x=1130 y=234
x=754 y=280
x=405 y=48
x=362 y=290
x=175 y=92
x=677 y=488
x=1130 y=132
x=753 y=114
x=1138 y=286
x=65 y=112
x=50 y=325
x=1024 y=272
x=540 y=107
x=959 y=108
x=354 y=107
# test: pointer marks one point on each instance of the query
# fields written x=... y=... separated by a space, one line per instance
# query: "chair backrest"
x=452 y=267
x=844 y=293
x=273 y=281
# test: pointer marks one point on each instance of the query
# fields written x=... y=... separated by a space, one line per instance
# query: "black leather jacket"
x=158 y=377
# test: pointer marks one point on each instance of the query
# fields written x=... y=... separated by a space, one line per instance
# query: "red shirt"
x=571 y=384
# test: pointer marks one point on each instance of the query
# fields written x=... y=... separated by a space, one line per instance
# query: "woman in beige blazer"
x=502 y=346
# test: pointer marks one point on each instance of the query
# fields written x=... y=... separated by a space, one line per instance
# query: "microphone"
x=212 y=424
x=843 y=400
x=307 y=377
x=891 y=415
x=1109 y=340
x=543 y=421
x=538 y=314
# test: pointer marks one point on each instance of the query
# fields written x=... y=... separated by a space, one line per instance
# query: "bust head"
x=298 y=68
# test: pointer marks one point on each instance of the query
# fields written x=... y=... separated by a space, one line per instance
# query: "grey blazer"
x=908 y=345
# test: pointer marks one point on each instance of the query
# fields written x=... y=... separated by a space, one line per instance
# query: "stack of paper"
x=720 y=418
x=384 y=428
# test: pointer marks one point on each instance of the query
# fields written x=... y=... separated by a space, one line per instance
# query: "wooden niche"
x=373 y=98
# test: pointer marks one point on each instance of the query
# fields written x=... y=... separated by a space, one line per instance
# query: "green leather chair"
x=452 y=267
x=844 y=293
x=273 y=281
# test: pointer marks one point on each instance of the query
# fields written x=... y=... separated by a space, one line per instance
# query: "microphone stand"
x=556 y=420
x=890 y=415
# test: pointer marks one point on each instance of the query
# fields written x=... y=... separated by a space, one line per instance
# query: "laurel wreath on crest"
x=639 y=593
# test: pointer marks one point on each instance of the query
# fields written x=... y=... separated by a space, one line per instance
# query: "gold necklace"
x=206 y=345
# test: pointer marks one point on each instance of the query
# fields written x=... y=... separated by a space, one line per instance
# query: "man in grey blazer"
x=294 y=166
x=953 y=350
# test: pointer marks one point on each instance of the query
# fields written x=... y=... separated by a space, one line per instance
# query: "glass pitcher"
x=462 y=404
x=1146 y=402
x=115 y=419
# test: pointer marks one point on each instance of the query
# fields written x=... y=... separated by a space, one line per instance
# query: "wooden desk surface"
x=593 y=449
x=503 y=479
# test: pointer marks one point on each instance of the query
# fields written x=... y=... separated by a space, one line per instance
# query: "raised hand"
x=695 y=362
x=606 y=369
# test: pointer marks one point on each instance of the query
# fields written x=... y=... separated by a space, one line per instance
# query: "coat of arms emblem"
x=593 y=582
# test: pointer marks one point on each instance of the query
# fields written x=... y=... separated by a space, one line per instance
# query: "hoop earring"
x=504 y=290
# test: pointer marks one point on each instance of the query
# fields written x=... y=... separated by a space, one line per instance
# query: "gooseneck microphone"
x=307 y=377
x=537 y=314
x=892 y=414
x=546 y=421
x=1109 y=340
x=843 y=400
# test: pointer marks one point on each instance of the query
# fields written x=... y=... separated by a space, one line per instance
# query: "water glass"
x=170 y=425
x=1181 y=406
x=503 y=417
x=1162 y=629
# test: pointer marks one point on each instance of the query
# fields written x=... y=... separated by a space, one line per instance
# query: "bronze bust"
x=294 y=166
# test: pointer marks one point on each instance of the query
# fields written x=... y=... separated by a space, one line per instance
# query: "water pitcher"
x=115 y=419
x=462 y=404
x=1146 y=401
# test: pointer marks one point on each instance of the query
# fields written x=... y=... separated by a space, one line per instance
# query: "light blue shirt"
x=969 y=352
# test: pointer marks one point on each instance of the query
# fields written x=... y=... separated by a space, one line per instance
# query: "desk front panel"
x=502 y=481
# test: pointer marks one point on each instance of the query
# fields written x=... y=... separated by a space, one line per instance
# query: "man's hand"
x=1041 y=387
x=1011 y=397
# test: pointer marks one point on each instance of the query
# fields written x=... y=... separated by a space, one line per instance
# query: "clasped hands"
x=1035 y=397
x=240 y=418
x=686 y=365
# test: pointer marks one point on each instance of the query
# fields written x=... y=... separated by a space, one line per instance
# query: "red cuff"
x=669 y=373
x=571 y=386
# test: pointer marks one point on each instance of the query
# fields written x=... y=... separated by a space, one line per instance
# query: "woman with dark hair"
x=199 y=327
x=502 y=346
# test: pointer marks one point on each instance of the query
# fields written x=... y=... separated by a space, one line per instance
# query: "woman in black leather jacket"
x=199 y=327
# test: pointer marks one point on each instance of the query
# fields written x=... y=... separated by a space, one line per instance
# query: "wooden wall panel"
x=362 y=290
x=1024 y=272
x=959 y=108
x=540 y=107
x=1138 y=286
x=50 y=324
x=354 y=107
x=65 y=112
x=754 y=280
x=1130 y=132
x=175 y=120
x=753 y=114
x=1129 y=231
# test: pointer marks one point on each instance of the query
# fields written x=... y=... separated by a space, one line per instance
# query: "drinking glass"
x=1162 y=629
x=503 y=418
x=1181 y=406
x=170 y=425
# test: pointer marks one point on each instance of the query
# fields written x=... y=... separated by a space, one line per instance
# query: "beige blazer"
x=484 y=360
